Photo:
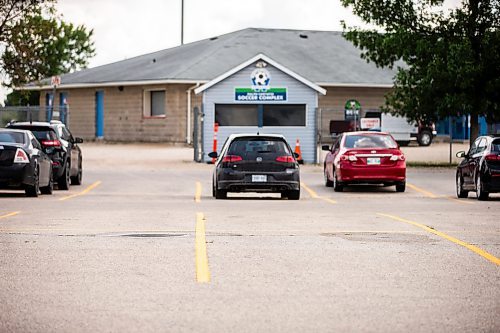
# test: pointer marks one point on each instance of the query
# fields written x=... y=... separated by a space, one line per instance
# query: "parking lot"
x=141 y=246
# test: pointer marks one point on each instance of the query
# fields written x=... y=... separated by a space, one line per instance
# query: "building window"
x=154 y=103
x=236 y=115
x=284 y=115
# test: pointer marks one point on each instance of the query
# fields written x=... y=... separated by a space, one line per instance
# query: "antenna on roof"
x=182 y=22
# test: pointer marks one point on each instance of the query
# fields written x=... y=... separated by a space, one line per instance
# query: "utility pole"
x=182 y=22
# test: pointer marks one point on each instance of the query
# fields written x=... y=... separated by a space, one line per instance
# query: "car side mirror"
x=78 y=140
x=461 y=154
x=213 y=154
x=296 y=155
x=325 y=147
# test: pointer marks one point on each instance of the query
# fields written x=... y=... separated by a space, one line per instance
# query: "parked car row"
x=36 y=155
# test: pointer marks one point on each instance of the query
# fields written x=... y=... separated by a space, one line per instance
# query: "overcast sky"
x=127 y=28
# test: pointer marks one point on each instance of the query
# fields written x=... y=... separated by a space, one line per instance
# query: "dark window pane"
x=236 y=115
x=284 y=115
x=251 y=147
x=157 y=103
x=11 y=137
x=495 y=145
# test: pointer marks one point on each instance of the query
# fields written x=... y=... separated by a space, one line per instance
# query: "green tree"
x=451 y=59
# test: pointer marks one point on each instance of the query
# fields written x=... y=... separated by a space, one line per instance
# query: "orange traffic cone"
x=298 y=152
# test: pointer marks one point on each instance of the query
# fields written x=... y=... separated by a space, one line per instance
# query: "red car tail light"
x=397 y=157
x=21 y=156
x=232 y=158
x=492 y=157
x=285 y=159
x=51 y=143
x=348 y=157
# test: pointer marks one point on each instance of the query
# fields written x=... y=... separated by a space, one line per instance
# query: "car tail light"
x=397 y=157
x=285 y=159
x=347 y=157
x=492 y=157
x=232 y=158
x=51 y=143
x=21 y=156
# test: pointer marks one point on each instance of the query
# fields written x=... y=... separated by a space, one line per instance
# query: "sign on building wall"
x=351 y=109
x=261 y=90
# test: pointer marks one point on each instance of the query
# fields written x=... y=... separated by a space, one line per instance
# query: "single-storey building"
x=268 y=80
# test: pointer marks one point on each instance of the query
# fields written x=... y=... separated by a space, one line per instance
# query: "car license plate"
x=259 y=178
x=373 y=160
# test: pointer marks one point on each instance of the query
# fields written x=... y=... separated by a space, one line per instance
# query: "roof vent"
x=303 y=36
x=214 y=38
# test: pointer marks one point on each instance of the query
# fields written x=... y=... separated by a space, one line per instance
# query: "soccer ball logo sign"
x=260 y=79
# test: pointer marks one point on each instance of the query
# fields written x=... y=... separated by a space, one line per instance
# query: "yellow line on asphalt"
x=471 y=247
x=197 y=195
x=314 y=195
x=9 y=215
x=424 y=192
x=88 y=189
x=201 y=257
x=459 y=201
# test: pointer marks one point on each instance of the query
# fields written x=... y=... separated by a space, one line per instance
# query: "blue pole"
x=99 y=114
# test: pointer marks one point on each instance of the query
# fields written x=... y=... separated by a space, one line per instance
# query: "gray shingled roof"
x=319 y=56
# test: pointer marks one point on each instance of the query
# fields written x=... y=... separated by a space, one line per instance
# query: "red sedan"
x=365 y=158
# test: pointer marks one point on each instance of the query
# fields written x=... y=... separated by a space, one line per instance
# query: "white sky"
x=127 y=28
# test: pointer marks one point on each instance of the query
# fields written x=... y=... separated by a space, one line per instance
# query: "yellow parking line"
x=201 y=257
x=88 y=189
x=459 y=201
x=473 y=248
x=197 y=195
x=8 y=215
x=314 y=195
x=424 y=192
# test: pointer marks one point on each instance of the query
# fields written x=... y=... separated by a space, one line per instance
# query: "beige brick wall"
x=124 y=118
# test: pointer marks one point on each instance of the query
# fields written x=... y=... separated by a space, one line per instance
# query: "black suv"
x=479 y=170
x=256 y=163
x=61 y=146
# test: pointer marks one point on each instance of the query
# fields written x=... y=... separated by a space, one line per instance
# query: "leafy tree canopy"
x=452 y=59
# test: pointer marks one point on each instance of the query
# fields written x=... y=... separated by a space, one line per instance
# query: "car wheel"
x=293 y=194
x=77 y=180
x=424 y=138
x=400 y=187
x=481 y=194
x=33 y=190
x=64 y=181
x=49 y=188
x=328 y=183
x=461 y=193
x=284 y=194
x=337 y=187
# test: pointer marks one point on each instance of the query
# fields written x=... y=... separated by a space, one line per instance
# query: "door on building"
x=99 y=114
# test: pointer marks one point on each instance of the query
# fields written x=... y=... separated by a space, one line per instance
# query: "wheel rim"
x=459 y=185
x=478 y=186
x=334 y=178
x=426 y=139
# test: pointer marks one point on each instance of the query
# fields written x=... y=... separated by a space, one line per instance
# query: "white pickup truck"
x=400 y=128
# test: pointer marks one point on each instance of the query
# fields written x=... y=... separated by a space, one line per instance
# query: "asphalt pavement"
x=141 y=246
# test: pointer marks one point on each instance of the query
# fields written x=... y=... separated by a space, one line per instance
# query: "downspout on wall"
x=188 y=113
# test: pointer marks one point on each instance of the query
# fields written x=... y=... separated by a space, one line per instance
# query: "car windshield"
x=41 y=133
x=495 y=145
x=369 y=141
x=250 y=146
x=12 y=137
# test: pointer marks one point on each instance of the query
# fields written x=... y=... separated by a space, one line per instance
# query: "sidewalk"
x=437 y=152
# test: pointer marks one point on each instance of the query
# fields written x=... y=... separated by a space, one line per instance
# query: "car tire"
x=461 y=193
x=64 y=181
x=220 y=194
x=481 y=194
x=49 y=189
x=293 y=194
x=424 y=138
x=284 y=195
x=77 y=180
x=33 y=190
x=337 y=187
x=401 y=187
x=328 y=183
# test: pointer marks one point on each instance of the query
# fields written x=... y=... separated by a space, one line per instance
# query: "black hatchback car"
x=23 y=164
x=58 y=142
x=479 y=170
x=256 y=163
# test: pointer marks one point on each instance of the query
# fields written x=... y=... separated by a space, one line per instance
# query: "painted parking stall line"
x=197 y=194
x=8 y=215
x=314 y=195
x=85 y=191
x=201 y=256
x=473 y=248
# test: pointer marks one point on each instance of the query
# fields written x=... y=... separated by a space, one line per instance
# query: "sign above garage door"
x=261 y=90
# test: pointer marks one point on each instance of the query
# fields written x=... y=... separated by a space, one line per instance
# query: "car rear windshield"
x=262 y=145
x=495 y=145
x=41 y=133
x=370 y=141
x=12 y=137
